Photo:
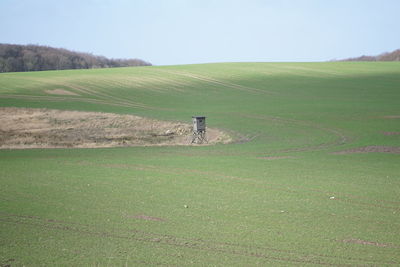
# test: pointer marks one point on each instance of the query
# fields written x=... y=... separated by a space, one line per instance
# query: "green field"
x=277 y=196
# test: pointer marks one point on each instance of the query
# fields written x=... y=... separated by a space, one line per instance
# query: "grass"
x=264 y=201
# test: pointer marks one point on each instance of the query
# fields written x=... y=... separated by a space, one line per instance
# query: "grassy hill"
x=312 y=179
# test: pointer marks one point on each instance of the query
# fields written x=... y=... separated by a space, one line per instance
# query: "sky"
x=171 y=32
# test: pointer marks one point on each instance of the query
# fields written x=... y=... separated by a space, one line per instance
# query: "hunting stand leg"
x=199 y=137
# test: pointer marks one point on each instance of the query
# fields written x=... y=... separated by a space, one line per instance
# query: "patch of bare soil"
x=370 y=149
x=392 y=117
x=391 y=133
x=363 y=242
x=276 y=157
x=45 y=128
x=60 y=92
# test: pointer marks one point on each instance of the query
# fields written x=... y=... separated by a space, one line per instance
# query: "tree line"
x=14 y=58
x=391 y=56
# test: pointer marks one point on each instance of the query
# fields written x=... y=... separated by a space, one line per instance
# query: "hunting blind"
x=199 y=130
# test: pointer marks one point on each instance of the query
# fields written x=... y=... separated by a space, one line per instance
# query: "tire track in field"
x=106 y=98
x=219 y=82
x=156 y=84
x=120 y=82
x=170 y=80
x=116 y=99
x=80 y=99
x=168 y=84
x=125 y=84
x=341 y=138
x=149 y=83
x=267 y=253
x=60 y=98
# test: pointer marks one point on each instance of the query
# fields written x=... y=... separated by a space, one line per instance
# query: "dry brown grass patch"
x=45 y=128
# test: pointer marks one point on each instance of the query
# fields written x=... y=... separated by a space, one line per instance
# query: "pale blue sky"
x=167 y=32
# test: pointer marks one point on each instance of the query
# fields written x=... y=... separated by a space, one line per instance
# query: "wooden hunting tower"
x=199 y=129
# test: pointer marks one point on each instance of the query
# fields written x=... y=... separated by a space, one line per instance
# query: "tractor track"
x=219 y=82
x=341 y=138
x=263 y=252
x=85 y=100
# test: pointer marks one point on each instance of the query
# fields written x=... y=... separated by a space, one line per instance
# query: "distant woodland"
x=392 y=56
x=15 y=58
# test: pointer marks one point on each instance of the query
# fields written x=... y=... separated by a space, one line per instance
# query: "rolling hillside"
x=311 y=179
